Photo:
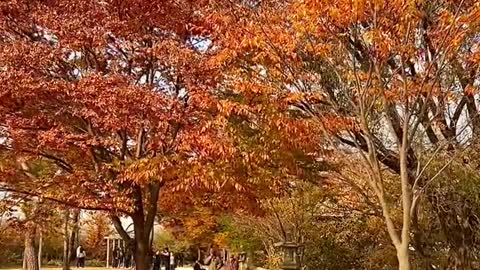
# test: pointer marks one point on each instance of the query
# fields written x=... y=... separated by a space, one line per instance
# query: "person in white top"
x=172 y=261
x=80 y=257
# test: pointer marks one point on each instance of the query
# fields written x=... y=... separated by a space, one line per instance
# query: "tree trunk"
x=402 y=250
x=30 y=261
x=74 y=234
x=142 y=258
x=66 y=246
x=142 y=225
x=40 y=246
x=151 y=237
x=403 y=258
x=142 y=242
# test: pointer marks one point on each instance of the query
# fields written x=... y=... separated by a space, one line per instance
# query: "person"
x=115 y=258
x=197 y=266
x=129 y=256
x=80 y=257
x=166 y=258
x=172 y=261
x=232 y=263
x=214 y=262
x=157 y=261
x=121 y=258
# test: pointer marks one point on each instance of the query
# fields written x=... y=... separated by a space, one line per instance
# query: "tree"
x=131 y=107
x=98 y=226
x=114 y=96
x=29 y=215
x=66 y=235
x=326 y=221
x=379 y=81
x=74 y=235
x=33 y=217
x=44 y=217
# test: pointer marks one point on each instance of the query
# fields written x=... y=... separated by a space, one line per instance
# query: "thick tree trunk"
x=66 y=246
x=30 y=261
x=142 y=241
x=403 y=258
x=142 y=224
x=74 y=234
x=142 y=251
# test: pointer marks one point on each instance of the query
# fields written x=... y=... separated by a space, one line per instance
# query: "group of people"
x=215 y=262
x=164 y=260
x=121 y=259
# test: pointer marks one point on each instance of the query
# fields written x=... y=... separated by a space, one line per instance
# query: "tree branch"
x=117 y=223
x=56 y=200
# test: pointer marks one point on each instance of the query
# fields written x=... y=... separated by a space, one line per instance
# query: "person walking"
x=115 y=258
x=172 y=261
x=157 y=261
x=166 y=258
x=80 y=257
x=122 y=258
x=197 y=266
x=128 y=257
x=213 y=261
x=232 y=263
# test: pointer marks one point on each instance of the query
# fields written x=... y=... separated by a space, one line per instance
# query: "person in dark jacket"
x=157 y=261
x=197 y=266
x=166 y=258
x=116 y=258
x=128 y=257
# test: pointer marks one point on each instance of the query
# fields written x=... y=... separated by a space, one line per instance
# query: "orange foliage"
x=97 y=228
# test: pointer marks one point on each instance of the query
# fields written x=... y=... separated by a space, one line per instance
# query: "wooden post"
x=108 y=251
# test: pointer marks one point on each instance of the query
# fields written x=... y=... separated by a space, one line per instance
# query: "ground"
x=92 y=268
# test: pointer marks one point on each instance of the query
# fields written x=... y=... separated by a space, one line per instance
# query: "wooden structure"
x=113 y=242
x=292 y=253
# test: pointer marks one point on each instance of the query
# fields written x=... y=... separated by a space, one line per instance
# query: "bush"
x=55 y=263
x=95 y=263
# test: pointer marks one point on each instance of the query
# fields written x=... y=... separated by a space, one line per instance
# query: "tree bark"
x=30 y=261
x=142 y=250
x=143 y=222
x=402 y=250
x=403 y=257
x=74 y=234
x=66 y=247
x=40 y=247
x=141 y=247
